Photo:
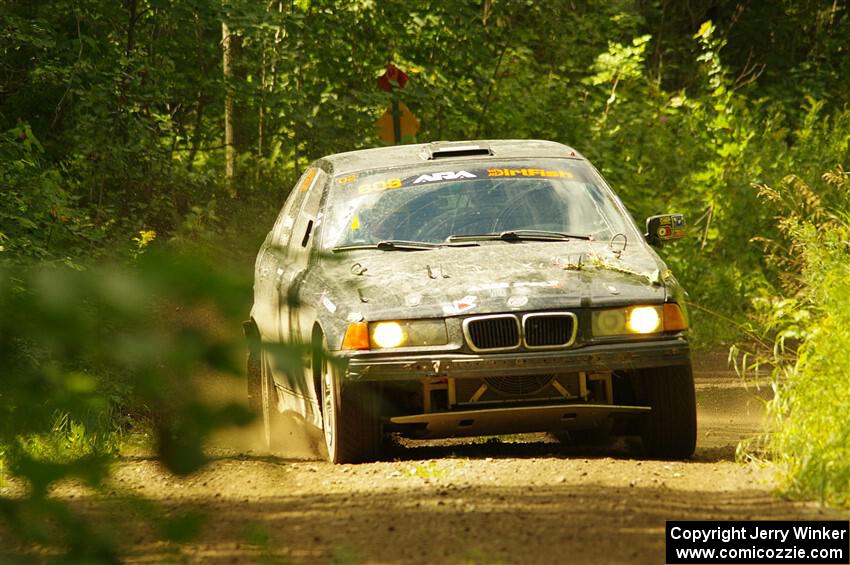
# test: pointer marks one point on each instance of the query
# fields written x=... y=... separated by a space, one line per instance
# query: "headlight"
x=644 y=320
x=609 y=322
x=388 y=334
x=638 y=320
x=407 y=333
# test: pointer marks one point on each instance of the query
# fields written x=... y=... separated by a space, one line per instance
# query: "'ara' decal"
x=448 y=175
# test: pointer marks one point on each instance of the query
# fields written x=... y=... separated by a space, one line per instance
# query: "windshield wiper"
x=520 y=235
x=399 y=245
x=390 y=245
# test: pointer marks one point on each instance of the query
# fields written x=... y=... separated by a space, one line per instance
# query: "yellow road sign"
x=408 y=125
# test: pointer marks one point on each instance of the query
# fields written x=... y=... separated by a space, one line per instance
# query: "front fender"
x=676 y=293
x=332 y=327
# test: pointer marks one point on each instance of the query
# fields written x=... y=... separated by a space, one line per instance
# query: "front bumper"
x=382 y=366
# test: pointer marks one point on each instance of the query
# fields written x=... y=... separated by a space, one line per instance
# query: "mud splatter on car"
x=469 y=288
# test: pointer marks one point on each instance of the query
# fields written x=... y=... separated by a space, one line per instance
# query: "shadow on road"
x=533 y=524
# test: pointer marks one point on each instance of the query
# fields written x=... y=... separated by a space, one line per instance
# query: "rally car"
x=468 y=288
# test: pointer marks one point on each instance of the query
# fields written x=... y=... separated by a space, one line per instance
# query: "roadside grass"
x=811 y=409
x=809 y=417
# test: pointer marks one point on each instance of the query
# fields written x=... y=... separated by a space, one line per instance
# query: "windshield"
x=431 y=204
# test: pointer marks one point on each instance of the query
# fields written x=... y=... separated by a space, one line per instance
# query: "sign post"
x=398 y=121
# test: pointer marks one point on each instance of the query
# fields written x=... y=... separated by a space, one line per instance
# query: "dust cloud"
x=295 y=438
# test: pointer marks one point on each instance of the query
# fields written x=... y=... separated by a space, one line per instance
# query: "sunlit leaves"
x=620 y=62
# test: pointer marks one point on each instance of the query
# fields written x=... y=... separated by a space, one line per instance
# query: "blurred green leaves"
x=79 y=347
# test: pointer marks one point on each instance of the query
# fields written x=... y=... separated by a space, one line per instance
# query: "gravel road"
x=515 y=499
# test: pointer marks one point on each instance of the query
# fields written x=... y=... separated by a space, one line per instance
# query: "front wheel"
x=670 y=430
x=350 y=418
x=254 y=378
x=268 y=405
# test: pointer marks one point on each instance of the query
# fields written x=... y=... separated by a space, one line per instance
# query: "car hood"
x=494 y=277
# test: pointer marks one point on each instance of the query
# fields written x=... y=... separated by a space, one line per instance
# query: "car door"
x=296 y=311
x=271 y=264
x=292 y=305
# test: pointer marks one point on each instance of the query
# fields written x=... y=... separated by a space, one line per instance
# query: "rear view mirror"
x=664 y=228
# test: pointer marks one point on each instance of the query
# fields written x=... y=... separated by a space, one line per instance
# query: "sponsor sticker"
x=460 y=306
x=308 y=179
x=447 y=175
x=541 y=173
x=379 y=186
x=328 y=303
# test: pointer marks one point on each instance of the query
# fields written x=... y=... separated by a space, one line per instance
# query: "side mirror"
x=664 y=228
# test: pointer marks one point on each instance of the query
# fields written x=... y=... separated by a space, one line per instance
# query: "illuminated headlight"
x=408 y=333
x=644 y=320
x=638 y=320
x=388 y=334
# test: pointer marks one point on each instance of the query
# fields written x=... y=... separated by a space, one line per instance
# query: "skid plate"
x=512 y=420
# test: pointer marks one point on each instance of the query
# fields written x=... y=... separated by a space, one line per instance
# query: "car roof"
x=443 y=151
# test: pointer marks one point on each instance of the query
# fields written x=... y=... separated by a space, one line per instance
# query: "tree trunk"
x=124 y=89
x=196 y=131
x=233 y=73
x=261 y=113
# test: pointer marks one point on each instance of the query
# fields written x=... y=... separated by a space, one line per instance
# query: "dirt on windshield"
x=508 y=499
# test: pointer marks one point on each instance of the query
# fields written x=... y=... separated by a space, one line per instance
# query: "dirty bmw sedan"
x=468 y=288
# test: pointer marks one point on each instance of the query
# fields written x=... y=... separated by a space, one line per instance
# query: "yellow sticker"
x=379 y=186
x=307 y=180
x=529 y=173
x=355 y=223
x=347 y=179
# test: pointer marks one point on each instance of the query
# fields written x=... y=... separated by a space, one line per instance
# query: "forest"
x=146 y=146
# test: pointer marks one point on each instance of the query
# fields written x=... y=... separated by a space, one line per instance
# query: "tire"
x=253 y=370
x=253 y=375
x=670 y=430
x=350 y=418
x=270 y=430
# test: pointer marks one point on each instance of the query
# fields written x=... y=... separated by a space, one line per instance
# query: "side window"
x=308 y=219
x=283 y=228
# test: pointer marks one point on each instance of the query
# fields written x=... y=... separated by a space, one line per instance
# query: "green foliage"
x=810 y=413
x=39 y=217
x=82 y=348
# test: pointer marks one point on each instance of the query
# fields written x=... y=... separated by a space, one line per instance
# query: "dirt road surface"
x=516 y=499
